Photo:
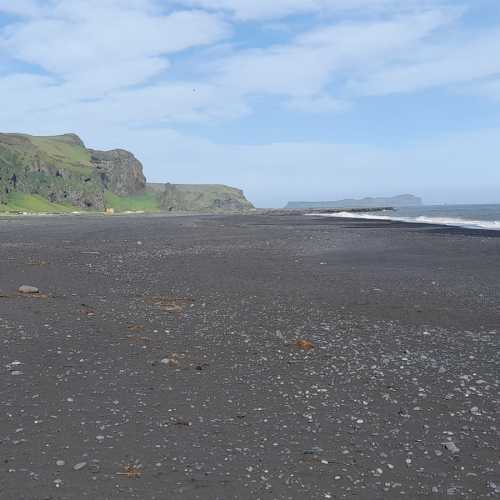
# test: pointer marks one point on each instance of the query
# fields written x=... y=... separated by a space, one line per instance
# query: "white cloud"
x=109 y=45
x=63 y=45
x=81 y=44
x=304 y=67
x=266 y=9
x=435 y=66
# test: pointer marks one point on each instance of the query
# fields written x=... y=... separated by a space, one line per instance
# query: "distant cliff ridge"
x=199 y=197
x=404 y=200
x=59 y=174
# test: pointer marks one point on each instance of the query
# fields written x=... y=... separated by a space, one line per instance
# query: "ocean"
x=467 y=216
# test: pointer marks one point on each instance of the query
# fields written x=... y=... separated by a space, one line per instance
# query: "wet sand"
x=160 y=359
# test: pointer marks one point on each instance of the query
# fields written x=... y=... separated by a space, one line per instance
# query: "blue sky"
x=289 y=99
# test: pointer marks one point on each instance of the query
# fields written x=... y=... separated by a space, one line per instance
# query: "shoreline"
x=346 y=214
x=480 y=225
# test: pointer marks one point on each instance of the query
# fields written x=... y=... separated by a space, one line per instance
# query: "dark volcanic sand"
x=405 y=321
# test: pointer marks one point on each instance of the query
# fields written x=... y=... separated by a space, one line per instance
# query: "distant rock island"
x=403 y=200
x=59 y=174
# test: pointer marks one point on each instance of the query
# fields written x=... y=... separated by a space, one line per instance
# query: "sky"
x=286 y=99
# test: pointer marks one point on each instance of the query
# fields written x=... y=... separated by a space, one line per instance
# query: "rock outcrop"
x=200 y=198
x=120 y=171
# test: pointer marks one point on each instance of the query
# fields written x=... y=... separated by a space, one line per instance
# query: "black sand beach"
x=159 y=359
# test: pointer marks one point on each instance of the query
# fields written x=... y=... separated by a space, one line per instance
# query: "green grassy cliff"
x=199 y=198
x=59 y=174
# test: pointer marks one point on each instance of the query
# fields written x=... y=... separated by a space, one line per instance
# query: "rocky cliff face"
x=119 y=171
x=61 y=170
x=200 y=198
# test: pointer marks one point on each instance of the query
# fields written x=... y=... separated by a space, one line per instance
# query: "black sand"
x=399 y=397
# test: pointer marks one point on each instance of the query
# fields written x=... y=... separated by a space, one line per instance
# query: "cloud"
x=434 y=65
x=109 y=44
x=306 y=65
x=80 y=45
x=266 y=9
x=65 y=45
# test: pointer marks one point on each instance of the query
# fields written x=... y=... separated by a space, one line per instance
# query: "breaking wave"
x=443 y=221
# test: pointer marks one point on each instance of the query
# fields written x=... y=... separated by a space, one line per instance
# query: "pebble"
x=169 y=362
x=475 y=410
x=28 y=289
x=79 y=465
x=60 y=463
x=451 y=446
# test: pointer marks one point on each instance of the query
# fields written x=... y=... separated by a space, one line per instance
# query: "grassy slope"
x=71 y=156
x=147 y=202
x=31 y=203
x=200 y=196
x=21 y=202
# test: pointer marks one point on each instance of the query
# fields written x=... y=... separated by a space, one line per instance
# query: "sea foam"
x=443 y=221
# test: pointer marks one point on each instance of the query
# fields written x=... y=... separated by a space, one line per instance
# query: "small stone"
x=100 y=438
x=305 y=345
x=79 y=465
x=315 y=450
x=28 y=289
x=60 y=463
x=452 y=447
x=169 y=362
x=494 y=486
x=475 y=410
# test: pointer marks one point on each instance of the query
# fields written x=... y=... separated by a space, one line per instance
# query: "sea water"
x=467 y=216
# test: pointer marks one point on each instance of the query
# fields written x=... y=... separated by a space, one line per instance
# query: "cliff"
x=199 y=197
x=62 y=171
x=59 y=174
x=404 y=200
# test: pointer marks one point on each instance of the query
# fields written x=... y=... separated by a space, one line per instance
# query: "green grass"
x=72 y=156
x=32 y=203
x=147 y=202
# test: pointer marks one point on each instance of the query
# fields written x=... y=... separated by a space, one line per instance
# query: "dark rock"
x=119 y=171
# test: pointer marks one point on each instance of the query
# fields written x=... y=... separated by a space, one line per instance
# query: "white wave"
x=443 y=221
